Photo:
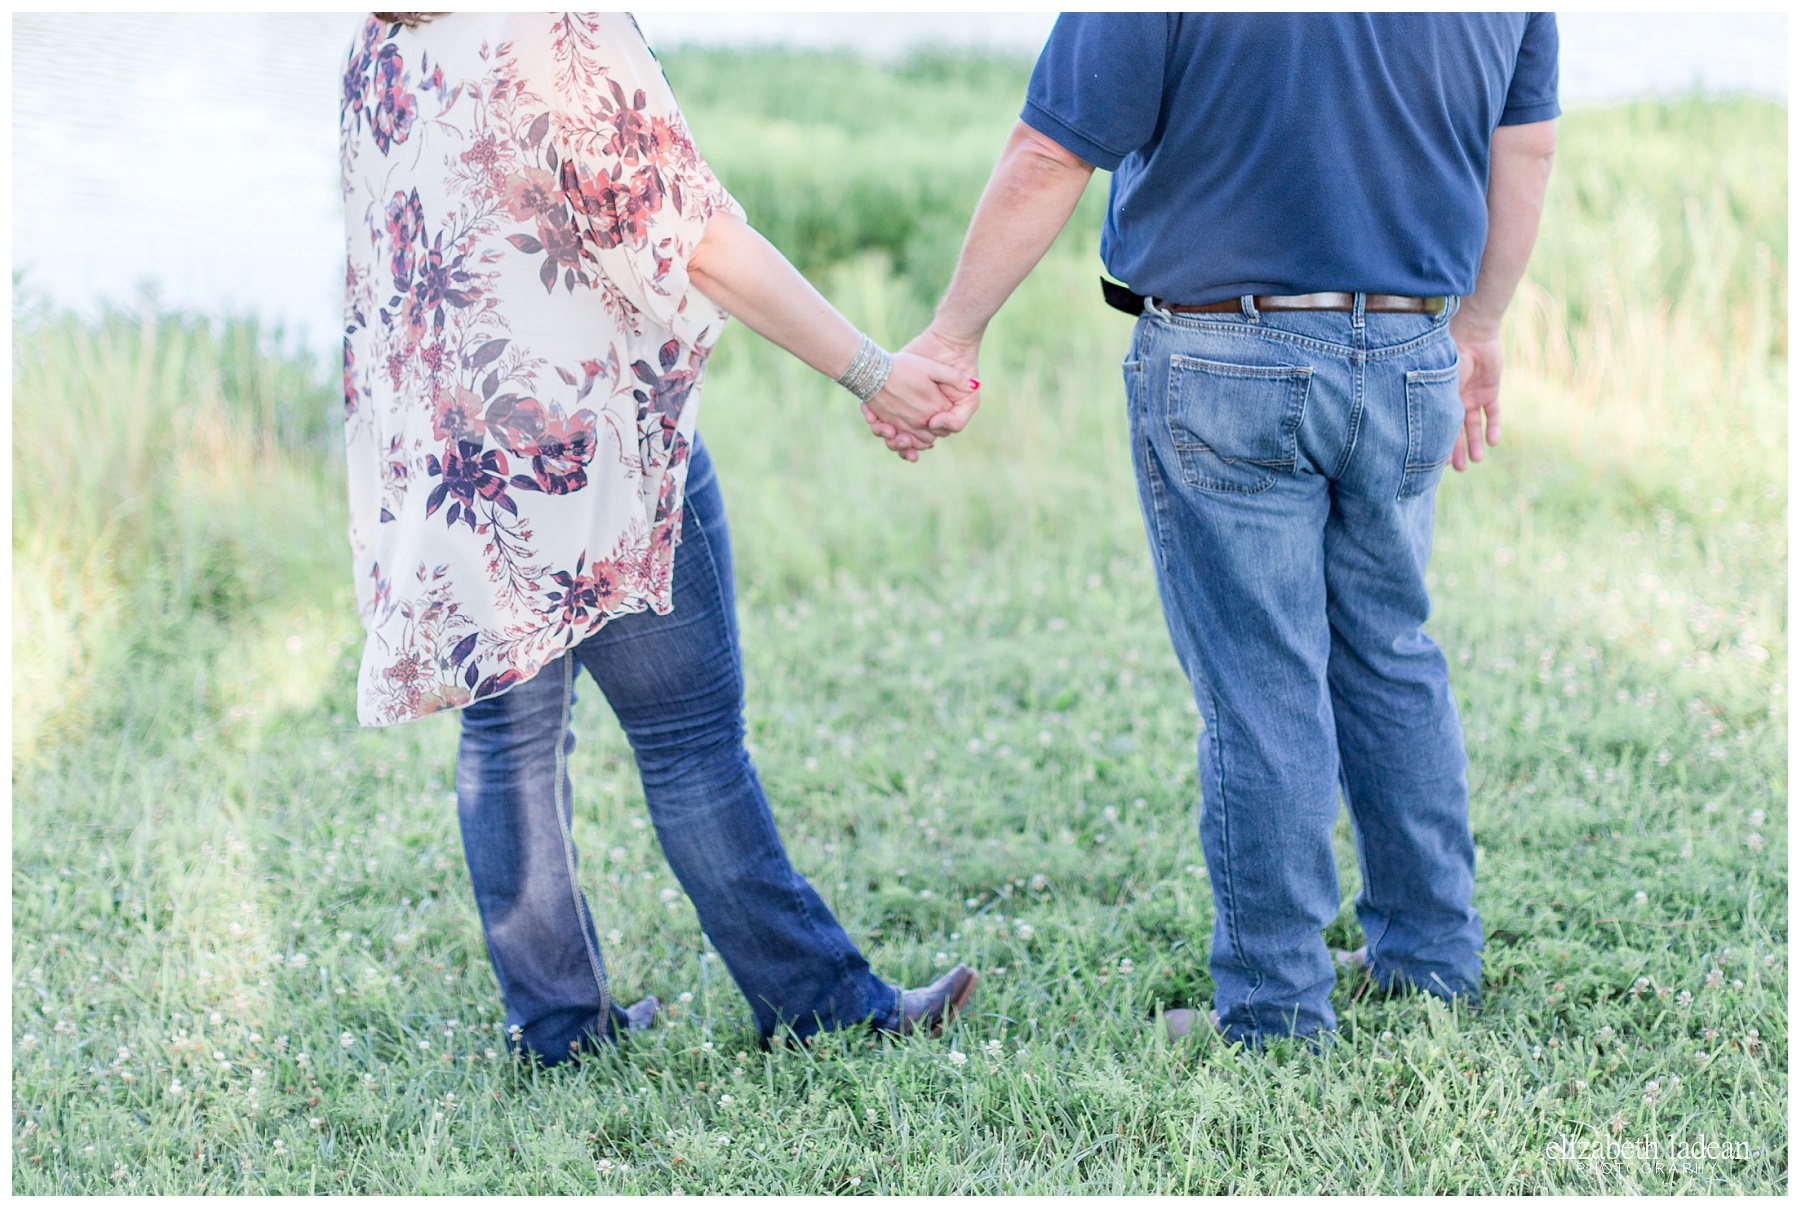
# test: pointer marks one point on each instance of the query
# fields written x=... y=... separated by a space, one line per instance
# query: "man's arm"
x=1028 y=200
x=1518 y=173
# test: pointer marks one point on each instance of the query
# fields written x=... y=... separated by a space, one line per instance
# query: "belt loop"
x=1360 y=301
x=1452 y=304
x=1248 y=302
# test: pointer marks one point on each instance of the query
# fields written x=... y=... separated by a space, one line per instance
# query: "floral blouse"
x=523 y=350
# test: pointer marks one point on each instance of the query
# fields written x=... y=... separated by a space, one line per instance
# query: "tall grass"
x=962 y=701
x=170 y=471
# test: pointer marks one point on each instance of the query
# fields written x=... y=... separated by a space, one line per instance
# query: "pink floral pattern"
x=523 y=351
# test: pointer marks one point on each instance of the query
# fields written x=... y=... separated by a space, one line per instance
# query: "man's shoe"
x=640 y=1015
x=931 y=1007
x=1181 y=1021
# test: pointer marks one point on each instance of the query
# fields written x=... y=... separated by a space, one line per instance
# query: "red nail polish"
x=974 y=383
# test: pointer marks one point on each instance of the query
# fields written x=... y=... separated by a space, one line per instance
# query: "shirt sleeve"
x=1097 y=87
x=1532 y=95
x=638 y=186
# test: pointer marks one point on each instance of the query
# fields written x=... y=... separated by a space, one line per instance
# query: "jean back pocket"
x=1434 y=416
x=1235 y=427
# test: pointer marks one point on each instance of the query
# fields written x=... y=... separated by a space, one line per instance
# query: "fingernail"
x=974 y=383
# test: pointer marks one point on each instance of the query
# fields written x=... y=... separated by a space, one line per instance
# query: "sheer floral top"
x=523 y=351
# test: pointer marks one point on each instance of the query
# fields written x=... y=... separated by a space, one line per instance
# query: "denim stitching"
x=1231 y=920
x=1214 y=327
x=562 y=823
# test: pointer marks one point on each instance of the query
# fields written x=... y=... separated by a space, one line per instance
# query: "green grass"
x=964 y=706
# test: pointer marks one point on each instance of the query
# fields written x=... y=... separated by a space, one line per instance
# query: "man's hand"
x=1518 y=172
x=958 y=406
x=917 y=390
x=1478 y=379
x=1029 y=198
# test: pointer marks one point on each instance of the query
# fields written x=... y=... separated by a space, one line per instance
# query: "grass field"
x=246 y=958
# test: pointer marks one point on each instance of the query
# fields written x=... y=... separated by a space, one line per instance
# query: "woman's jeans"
x=676 y=684
x=1287 y=465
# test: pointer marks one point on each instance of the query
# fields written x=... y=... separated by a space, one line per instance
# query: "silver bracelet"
x=868 y=371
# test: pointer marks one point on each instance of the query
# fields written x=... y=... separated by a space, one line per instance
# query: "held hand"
x=964 y=355
x=1478 y=363
x=917 y=390
x=960 y=399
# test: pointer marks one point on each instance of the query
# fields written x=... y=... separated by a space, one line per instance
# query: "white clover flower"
x=424 y=1044
x=1580 y=1086
x=1684 y=998
x=298 y=960
x=685 y=996
x=1025 y=931
x=994 y=1048
x=959 y=1058
x=347 y=1040
x=615 y=936
x=1641 y=898
x=1757 y=817
x=1039 y=883
x=1754 y=841
x=315 y=1122
x=489 y=1054
x=940 y=959
x=670 y=894
x=175 y=1089
x=724 y=1100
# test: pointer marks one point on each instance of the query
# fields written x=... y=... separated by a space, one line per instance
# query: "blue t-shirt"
x=1288 y=153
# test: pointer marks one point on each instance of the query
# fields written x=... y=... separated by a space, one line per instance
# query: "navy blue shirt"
x=1288 y=153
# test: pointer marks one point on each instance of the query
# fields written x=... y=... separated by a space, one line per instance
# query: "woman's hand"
x=917 y=389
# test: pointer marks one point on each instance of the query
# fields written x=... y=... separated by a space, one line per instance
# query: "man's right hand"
x=964 y=357
x=1478 y=379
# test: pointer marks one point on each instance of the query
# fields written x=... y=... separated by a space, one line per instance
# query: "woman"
x=539 y=263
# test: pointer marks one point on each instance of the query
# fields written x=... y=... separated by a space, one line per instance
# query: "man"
x=1321 y=219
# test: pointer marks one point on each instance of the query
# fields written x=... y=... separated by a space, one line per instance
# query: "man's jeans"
x=1287 y=464
x=675 y=682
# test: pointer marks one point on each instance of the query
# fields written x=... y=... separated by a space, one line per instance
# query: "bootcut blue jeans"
x=1287 y=464
x=675 y=683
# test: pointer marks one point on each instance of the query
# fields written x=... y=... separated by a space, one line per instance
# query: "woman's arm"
x=750 y=280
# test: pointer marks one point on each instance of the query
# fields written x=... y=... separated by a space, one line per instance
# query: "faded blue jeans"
x=676 y=685
x=1287 y=466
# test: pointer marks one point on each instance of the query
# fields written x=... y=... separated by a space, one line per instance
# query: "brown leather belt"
x=1372 y=304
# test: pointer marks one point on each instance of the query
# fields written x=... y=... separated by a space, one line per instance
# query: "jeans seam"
x=582 y=918
x=1231 y=913
x=1327 y=346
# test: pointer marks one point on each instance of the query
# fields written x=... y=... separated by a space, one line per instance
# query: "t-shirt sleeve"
x=1097 y=87
x=1532 y=95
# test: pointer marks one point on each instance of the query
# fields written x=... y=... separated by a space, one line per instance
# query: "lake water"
x=198 y=153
